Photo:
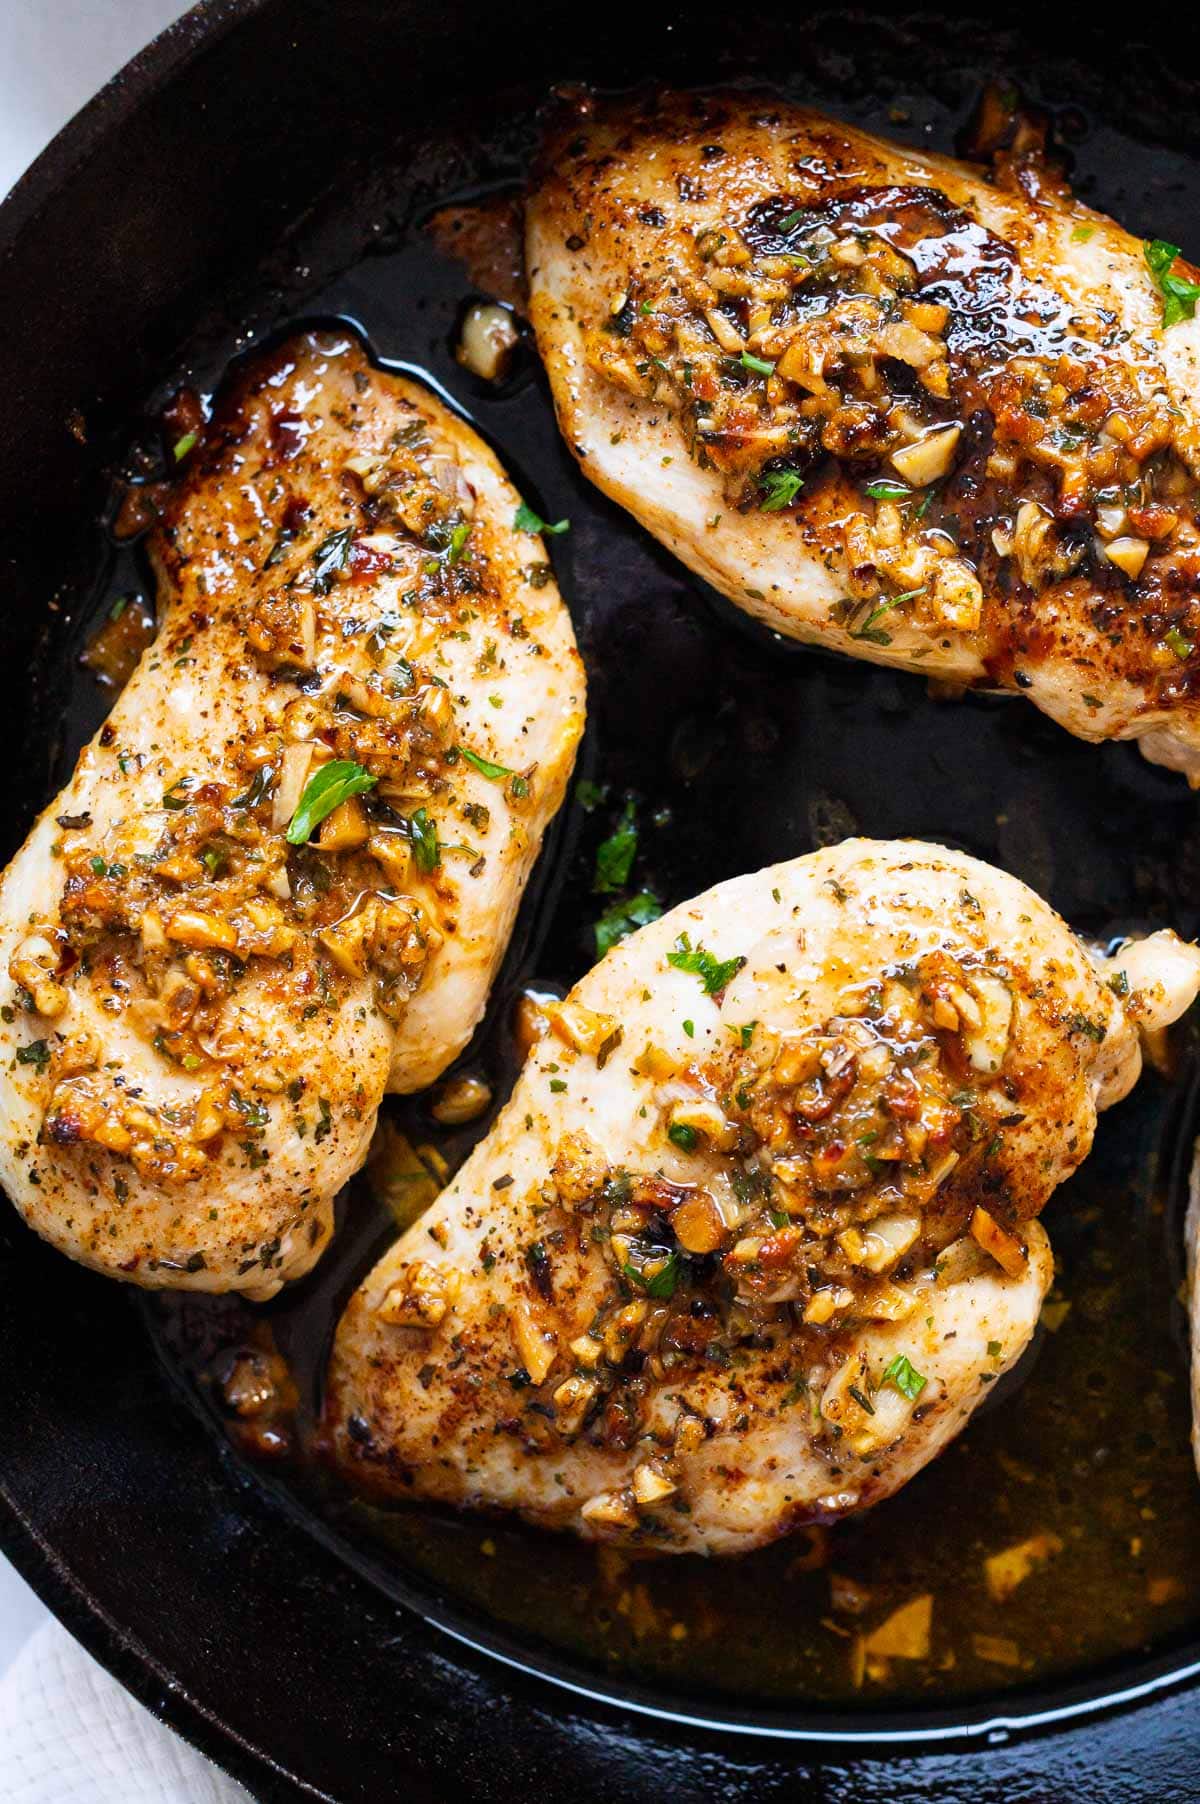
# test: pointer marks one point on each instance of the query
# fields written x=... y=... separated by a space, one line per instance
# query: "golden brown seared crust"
x=756 y=1230
x=882 y=401
x=207 y=992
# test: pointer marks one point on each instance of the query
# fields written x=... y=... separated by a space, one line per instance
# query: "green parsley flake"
x=333 y=784
x=423 y=837
x=779 y=488
x=660 y=1284
x=623 y=918
x=1179 y=295
x=904 y=1377
x=484 y=766
x=525 y=520
x=330 y=556
x=869 y=630
x=713 y=973
x=615 y=855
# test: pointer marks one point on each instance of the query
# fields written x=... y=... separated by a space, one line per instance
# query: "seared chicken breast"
x=884 y=401
x=757 y=1229
x=284 y=872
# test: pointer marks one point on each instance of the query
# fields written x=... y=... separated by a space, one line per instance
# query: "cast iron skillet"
x=226 y=182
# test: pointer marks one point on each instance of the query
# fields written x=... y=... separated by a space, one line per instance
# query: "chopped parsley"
x=174 y=800
x=36 y=1053
x=1182 y=647
x=331 y=555
x=714 y=973
x=662 y=1283
x=1179 y=295
x=525 y=520
x=257 y=791
x=622 y=918
x=1118 y=983
x=684 y=1137
x=615 y=855
x=284 y=537
x=869 y=630
x=779 y=488
x=1080 y=1024
x=904 y=1377
x=484 y=766
x=333 y=784
x=423 y=837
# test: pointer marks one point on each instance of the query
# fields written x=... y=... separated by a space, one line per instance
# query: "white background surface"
x=54 y=55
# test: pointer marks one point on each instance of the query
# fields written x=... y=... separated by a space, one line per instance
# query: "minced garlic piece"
x=421 y=1297
x=905 y=1634
x=1004 y=1247
x=1006 y=1570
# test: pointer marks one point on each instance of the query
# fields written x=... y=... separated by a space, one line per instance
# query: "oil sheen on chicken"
x=758 y=1228
x=884 y=401
x=203 y=1001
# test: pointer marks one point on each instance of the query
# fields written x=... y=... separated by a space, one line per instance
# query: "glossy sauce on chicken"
x=757 y=1226
x=937 y=413
x=283 y=873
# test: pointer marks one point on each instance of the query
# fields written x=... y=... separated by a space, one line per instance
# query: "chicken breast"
x=757 y=1230
x=284 y=872
x=884 y=402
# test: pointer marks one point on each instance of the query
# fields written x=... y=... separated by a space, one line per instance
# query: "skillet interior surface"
x=765 y=750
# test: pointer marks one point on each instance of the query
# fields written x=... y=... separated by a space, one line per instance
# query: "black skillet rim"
x=118 y=1647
